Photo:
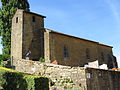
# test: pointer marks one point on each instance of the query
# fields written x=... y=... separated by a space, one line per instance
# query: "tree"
x=7 y=11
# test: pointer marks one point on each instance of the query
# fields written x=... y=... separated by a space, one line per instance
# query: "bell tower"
x=27 y=38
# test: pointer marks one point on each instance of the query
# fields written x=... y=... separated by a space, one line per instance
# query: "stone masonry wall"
x=16 y=35
x=33 y=36
x=27 y=35
x=60 y=76
x=102 y=79
x=73 y=78
x=76 y=49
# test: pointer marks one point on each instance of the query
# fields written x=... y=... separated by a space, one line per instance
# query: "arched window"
x=87 y=53
x=16 y=19
x=33 y=18
x=65 y=52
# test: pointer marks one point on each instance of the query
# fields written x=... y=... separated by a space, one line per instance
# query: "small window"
x=87 y=53
x=33 y=18
x=102 y=55
x=16 y=19
x=65 y=52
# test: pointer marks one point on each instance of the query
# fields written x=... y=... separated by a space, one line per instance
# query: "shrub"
x=13 y=80
x=4 y=57
x=2 y=63
x=42 y=60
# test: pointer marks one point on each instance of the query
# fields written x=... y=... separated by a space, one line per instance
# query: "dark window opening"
x=33 y=18
x=65 y=52
x=87 y=53
x=16 y=19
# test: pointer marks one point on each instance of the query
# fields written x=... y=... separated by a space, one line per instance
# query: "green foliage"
x=41 y=60
x=13 y=80
x=7 y=11
x=4 y=57
x=67 y=80
x=1 y=63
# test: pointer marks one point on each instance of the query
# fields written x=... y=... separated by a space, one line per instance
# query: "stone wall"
x=27 y=35
x=74 y=78
x=60 y=76
x=76 y=48
x=46 y=46
x=33 y=36
x=102 y=79
x=16 y=35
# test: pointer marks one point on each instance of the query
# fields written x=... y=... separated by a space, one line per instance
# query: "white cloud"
x=115 y=7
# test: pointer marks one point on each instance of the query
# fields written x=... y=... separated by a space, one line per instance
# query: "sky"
x=97 y=20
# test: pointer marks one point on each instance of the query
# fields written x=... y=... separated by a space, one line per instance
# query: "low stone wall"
x=98 y=79
x=60 y=76
x=71 y=78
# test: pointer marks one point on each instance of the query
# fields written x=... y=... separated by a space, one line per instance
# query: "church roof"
x=79 y=38
x=31 y=13
x=35 y=14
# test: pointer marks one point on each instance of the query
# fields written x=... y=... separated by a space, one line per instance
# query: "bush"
x=41 y=60
x=4 y=57
x=2 y=63
x=13 y=80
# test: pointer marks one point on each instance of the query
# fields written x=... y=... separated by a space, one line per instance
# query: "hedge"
x=4 y=57
x=13 y=80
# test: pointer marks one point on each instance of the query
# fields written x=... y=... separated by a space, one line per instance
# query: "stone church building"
x=31 y=40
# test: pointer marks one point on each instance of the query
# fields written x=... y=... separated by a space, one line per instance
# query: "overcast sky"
x=97 y=20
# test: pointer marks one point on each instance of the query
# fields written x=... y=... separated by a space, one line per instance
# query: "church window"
x=102 y=55
x=16 y=19
x=33 y=18
x=65 y=52
x=87 y=53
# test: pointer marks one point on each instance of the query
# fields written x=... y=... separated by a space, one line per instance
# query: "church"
x=31 y=40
